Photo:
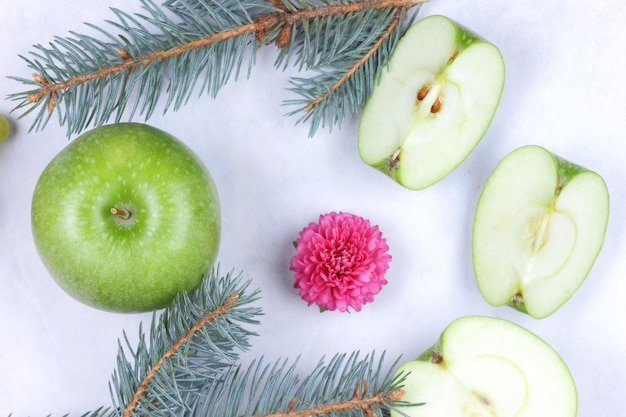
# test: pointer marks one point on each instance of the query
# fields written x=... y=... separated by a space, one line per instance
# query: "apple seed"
x=436 y=106
x=422 y=93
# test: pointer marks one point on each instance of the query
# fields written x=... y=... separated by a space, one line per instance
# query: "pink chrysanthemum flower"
x=341 y=262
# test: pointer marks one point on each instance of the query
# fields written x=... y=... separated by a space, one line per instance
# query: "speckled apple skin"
x=168 y=244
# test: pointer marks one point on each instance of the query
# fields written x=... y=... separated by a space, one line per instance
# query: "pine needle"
x=191 y=368
x=194 y=341
x=159 y=58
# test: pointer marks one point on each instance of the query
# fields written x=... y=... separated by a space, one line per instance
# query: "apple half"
x=539 y=225
x=432 y=104
x=486 y=367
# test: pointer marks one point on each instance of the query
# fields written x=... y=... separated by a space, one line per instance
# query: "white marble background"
x=565 y=90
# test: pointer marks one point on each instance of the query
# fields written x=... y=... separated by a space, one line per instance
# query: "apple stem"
x=124 y=214
x=517 y=300
x=394 y=161
x=436 y=357
x=436 y=106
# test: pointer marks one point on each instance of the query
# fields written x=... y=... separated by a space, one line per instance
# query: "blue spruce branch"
x=190 y=367
x=195 y=340
x=183 y=46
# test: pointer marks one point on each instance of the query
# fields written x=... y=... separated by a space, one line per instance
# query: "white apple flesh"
x=539 y=226
x=433 y=104
x=488 y=367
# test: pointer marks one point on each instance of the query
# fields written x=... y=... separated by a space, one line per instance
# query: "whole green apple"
x=125 y=217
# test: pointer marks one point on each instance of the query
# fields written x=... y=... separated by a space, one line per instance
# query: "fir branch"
x=345 y=386
x=195 y=340
x=190 y=368
x=343 y=83
x=172 y=49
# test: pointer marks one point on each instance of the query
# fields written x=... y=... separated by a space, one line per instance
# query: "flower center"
x=341 y=261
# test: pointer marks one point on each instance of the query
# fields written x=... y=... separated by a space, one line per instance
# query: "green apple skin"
x=140 y=263
x=399 y=134
x=539 y=226
x=485 y=367
x=5 y=128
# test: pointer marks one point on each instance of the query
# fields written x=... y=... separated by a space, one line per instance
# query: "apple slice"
x=486 y=367
x=538 y=228
x=432 y=104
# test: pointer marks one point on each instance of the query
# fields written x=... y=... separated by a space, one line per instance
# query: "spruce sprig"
x=342 y=55
x=168 y=52
x=195 y=340
x=190 y=366
x=347 y=385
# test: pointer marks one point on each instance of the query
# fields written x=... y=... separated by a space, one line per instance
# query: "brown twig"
x=261 y=26
x=316 y=102
x=358 y=401
x=208 y=318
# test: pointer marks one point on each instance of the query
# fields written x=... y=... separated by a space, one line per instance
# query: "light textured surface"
x=564 y=90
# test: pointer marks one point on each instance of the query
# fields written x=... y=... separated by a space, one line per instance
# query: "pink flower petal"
x=340 y=262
